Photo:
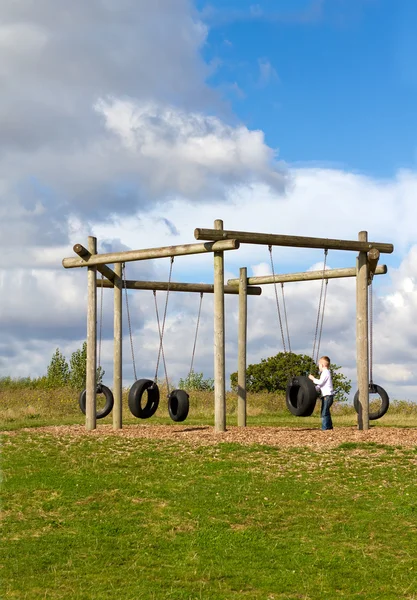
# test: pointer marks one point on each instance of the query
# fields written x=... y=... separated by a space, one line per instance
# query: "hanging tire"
x=309 y=411
x=108 y=407
x=301 y=396
x=135 y=398
x=374 y=389
x=178 y=405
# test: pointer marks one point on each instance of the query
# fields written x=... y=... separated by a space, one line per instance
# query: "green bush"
x=78 y=369
x=58 y=373
x=196 y=381
x=272 y=374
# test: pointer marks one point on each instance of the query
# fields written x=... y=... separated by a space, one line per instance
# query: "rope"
x=276 y=298
x=371 y=327
x=161 y=330
x=285 y=315
x=319 y=310
x=128 y=320
x=322 y=318
x=101 y=322
x=196 y=333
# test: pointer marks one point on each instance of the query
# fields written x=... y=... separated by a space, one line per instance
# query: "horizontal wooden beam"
x=103 y=269
x=305 y=276
x=149 y=253
x=246 y=237
x=206 y=288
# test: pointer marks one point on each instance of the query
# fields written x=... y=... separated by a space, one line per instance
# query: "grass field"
x=26 y=407
x=94 y=518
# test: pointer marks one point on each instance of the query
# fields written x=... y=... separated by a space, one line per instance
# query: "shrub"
x=78 y=369
x=272 y=374
x=58 y=373
x=196 y=381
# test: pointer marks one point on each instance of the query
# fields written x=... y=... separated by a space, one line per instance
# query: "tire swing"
x=178 y=402
x=373 y=388
x=100 y=388
x=301 y=394
x=139 y=387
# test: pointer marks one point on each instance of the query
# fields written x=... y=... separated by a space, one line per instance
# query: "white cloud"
x=187 y=153
x=106 y=131
x=256 y=208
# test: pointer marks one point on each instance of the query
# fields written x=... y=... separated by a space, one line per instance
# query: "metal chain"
x=101 y=323
x=128 y=320
x=371 y=327
x=319 y=310
x=161 y=330
x=322 y=319
x=285 y=315
x=196 y=333
x=276 y=298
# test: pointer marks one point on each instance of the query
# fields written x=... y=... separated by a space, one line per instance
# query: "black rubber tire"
x=301 y=396
x=178 y=405
x=108 y=407
x=135 y=398
x=374 y=389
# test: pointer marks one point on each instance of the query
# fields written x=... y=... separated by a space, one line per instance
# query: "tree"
x=58 y=373
x=196 y=381
x=78 y=364
x=272 y=374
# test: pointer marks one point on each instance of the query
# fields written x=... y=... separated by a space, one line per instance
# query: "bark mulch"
x=284 y=437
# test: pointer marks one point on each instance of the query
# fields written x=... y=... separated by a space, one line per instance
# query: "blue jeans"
x=326 y=419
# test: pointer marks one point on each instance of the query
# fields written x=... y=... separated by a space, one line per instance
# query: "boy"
x=325 y=386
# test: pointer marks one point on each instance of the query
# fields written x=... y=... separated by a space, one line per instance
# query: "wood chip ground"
x=284 y=437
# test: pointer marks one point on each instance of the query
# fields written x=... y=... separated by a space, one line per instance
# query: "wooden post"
x=103 y=269
x=91 y=379
x=117 y=355
x=373 y=258
x=242 y=334
x=362 y=335
x=219 y=338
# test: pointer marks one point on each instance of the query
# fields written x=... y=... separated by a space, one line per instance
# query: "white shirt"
x=325 y=383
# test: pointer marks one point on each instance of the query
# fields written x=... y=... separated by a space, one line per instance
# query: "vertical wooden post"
x=362 y=335
x=242 y=334
x=219 y=351
x=91 y=379
x=117 y=355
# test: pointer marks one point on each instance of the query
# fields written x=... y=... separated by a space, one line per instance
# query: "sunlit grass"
x=110 y=518
x=27 y=407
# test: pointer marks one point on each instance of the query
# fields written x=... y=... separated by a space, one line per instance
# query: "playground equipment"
x=219 y=240
x=178 y=400
x=301 y=393
x=373 y=388
x=100 y=388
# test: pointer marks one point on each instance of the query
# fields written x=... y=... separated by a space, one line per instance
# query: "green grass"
x=89 y=518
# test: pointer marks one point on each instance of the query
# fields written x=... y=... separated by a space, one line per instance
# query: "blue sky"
x=333 y=82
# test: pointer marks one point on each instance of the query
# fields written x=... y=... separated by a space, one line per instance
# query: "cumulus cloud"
x=104 y=112
x=189 y=154
x=106 y=130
